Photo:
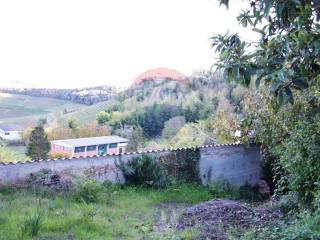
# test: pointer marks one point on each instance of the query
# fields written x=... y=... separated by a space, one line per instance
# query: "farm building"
x=82 y=147
x=10 y=132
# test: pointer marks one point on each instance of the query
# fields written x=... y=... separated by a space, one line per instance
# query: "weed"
x=32 y=225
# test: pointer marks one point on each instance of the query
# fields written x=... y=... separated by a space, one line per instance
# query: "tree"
x=38 y=146
x=103 y=118
x=286 y=63
x=136 y=140
x=172 y=126
x=72 y=124
x=286 y=58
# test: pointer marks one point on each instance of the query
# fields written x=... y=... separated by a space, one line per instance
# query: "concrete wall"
x=236 y=163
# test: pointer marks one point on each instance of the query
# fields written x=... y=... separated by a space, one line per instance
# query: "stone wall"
x=235 y=163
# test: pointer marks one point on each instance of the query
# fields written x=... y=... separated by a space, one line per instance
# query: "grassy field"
x=122 y=213
x=26 y=111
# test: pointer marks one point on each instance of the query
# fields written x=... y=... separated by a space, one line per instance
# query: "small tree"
x=136 y=139
x=103 y=118
x=74 y=126
x=38 y=146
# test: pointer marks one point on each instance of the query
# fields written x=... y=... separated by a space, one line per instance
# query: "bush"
x=299 y=159
x=143 y=171
x=306 y=225
x=289 y=203
x=88 y=192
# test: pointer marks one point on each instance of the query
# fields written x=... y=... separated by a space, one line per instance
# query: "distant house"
x=10 y=132
x=89 y=146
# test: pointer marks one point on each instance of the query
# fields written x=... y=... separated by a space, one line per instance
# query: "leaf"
x=235 y=70
x=258 y=80
x=289 y=94
x=259 y=31
x=300 y=83
x=247 y=77
x=280 y=98
x=278 y=82
x=267 y=7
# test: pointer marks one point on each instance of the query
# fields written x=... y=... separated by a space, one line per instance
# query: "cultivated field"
x=26 y=111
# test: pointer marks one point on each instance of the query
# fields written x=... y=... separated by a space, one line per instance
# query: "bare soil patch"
x=215 y=217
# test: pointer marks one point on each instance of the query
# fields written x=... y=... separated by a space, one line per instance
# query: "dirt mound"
x=214 y=217
x=49 y=179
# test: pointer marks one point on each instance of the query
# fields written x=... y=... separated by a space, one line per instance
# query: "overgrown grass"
x=303 y=225
x=123 y=213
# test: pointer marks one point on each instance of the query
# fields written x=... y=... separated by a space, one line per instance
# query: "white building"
x=10 y=132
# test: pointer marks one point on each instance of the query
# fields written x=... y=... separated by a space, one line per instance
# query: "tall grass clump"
x=32 y=225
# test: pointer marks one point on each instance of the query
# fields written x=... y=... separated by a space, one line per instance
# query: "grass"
x=125 y=213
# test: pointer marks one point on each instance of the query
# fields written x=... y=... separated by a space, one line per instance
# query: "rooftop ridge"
x=127 y=153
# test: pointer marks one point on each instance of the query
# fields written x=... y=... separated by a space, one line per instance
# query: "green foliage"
x=132 y=213
x=88 y=192
x=172 y=126
x=289 y=203
x=32 y=224
x=299 y=159
x=286 y=61
x=136 y=140
x=38 y=144
x=180 y=167
x=183 y=166
x=306 y=225
x=143 y=171
x=286 y=57
x=222 y=189
x=152 y=118
x=103 y=118
x=72 y=124
x=6 y=155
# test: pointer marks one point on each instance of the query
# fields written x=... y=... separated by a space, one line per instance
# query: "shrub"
x=7 y=189
x=299 y=159
x=223 y=189
x=289 y=203
x=143 y=171
x=88 y=192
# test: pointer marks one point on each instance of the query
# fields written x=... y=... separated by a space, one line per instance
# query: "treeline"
x=87 y=96
x=169 y=113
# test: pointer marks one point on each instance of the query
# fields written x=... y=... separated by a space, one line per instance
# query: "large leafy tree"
x=286 y=61
x=287 y=55
x=38 y=146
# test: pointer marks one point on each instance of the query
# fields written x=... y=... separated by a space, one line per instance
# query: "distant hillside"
x=87 y=96
x=26 y=111
x=160 y=74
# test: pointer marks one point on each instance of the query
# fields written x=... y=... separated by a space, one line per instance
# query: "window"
x=92 y=148
x=6 y=133
x=113 y=145
x=79 y=149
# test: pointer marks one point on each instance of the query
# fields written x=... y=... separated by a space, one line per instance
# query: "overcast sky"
x=77 y=43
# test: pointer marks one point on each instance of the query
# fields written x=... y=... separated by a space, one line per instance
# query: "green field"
x=26 y=111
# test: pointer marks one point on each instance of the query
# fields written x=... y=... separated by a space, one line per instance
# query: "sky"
x=80 y=43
